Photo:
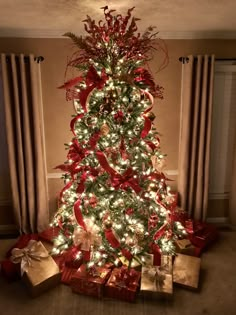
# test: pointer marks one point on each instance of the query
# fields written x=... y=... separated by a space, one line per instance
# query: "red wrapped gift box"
x=123 y=284
x=179 y=215
x=49 y=234
x=90 y=281
x=204 y=236
x=72 y=260
x=173 y=196
x=9 y=270
x=66 y=271
x=22 y=242
x=68 y=264
x=67 y=274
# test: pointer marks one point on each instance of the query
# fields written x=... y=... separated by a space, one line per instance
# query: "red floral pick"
x=119 y=116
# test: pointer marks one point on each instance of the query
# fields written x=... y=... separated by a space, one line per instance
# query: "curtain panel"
x=24 y=126
x=195 y=132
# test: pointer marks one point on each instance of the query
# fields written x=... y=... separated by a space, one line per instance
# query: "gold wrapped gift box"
x=40 y=272
x=157 y=280
x=185 y=247
x=136 y=263
x=186 y=271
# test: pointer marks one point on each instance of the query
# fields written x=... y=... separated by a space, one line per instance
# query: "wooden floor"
x=217 y=294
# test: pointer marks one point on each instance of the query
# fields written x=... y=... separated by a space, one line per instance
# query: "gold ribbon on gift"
x=166 y=264
x=89 y=237
x=155 y=275
x=25 y=255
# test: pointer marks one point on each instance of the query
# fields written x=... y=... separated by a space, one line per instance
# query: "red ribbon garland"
x=81 y=187
x=160 y=232
x=147 y=127
x=116 y=244
x=147 y=124
x=151 y=145
x=64 y=189
x=103 y=162
x=111 y=238
x=78 y=214
x=73 y=121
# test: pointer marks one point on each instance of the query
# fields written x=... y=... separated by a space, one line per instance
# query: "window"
x=223 y=130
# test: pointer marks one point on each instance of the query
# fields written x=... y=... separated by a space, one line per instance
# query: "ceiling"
x=173 y=18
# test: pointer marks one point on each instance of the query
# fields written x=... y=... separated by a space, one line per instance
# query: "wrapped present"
x=49 y=234
x=186 y=271
x=204 y=236
x=189 y=226
x=184 y=246
x=109 y=265
x=22 y=242
x=123 y=284
x=179 y=215
x=172 y=199
x=157 y=280
x=156 y=252
x=90 y=281
x=167 y=264
x=73 y=257
x=134 y=263
x=67 y=271
x=9 y=270
x=38 y=270
x=67 y=275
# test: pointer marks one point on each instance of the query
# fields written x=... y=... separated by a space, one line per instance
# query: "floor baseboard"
x=218 y=220
x=222 y=222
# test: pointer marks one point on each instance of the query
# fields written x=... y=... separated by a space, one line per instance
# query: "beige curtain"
x=232 y=195
x=195 y=131
x=24 y=125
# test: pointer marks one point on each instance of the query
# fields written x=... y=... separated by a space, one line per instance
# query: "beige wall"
x=57 y=112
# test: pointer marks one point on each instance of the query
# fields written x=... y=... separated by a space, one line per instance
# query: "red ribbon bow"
x=126 y=180
x=92 y=80
x=76 y=152
x=126 y=278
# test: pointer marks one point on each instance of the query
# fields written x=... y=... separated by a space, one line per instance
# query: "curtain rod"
x=37 y=59
x=186 y=59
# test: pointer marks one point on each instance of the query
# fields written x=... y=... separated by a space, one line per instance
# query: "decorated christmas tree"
x=115 y=201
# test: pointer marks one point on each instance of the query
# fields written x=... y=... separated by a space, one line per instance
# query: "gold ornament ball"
x=104 y=129
x=151 y=116
x=107 y=224
x=130 y=242
x=153 y=187
x=139 y=234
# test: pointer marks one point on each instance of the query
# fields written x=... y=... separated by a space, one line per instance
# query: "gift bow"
x=155 y=275
x=25 y=255
x=125 y=278
x=87 y=237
